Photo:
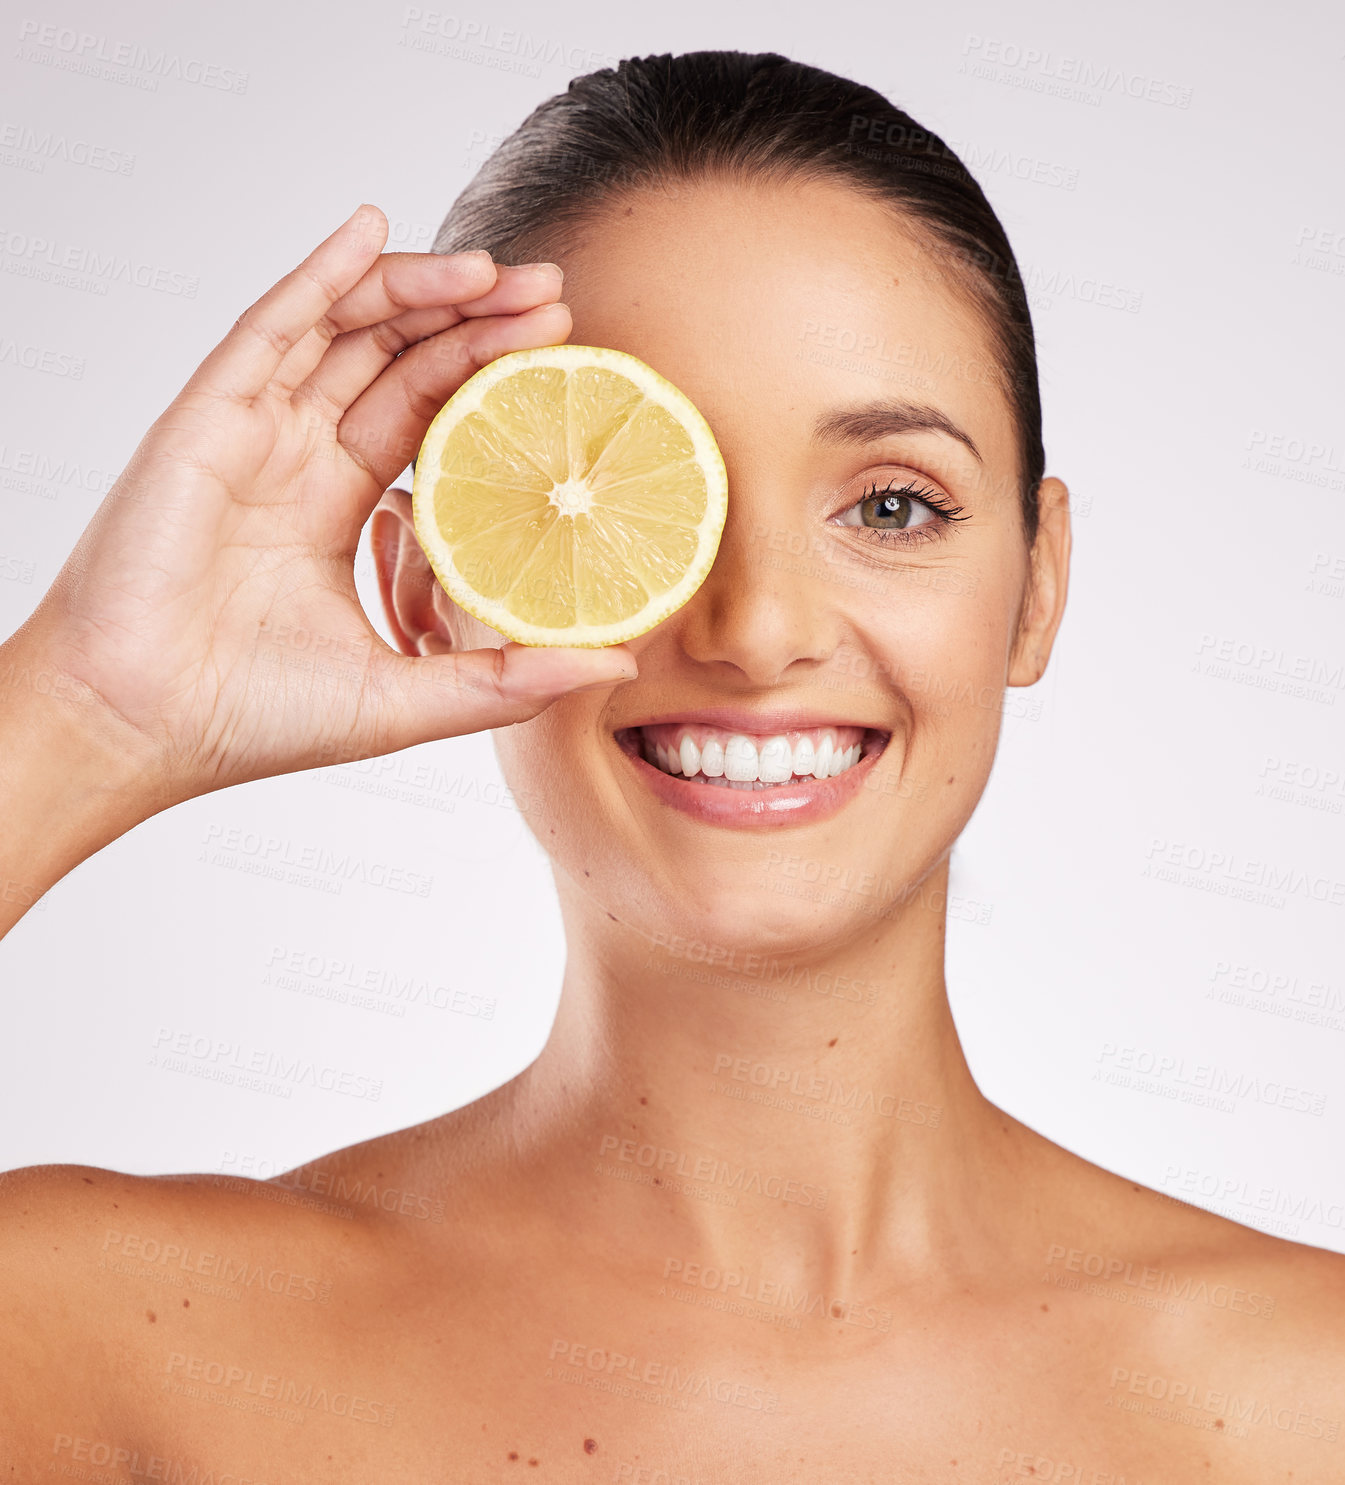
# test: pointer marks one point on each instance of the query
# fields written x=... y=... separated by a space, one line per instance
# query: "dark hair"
x=654 y=122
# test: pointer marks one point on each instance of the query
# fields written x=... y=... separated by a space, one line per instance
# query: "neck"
x=811 y=1109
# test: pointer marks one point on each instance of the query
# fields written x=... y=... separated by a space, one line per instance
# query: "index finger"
x=249 y=357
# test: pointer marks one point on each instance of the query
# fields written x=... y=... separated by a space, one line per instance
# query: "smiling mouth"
x=723 y=759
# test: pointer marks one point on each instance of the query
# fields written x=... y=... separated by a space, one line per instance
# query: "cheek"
x=938 y=629
x=543 y=762
x=939 y=644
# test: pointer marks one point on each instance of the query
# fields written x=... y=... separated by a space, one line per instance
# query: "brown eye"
x=892 y=511
x=901 y=509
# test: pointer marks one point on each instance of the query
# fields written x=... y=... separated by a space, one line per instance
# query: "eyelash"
x=943 y=508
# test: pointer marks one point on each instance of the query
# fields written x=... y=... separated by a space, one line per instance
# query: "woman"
x=715 y=1232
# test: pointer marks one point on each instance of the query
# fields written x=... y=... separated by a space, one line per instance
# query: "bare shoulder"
x=1181 y=1251
x=399 y=1178
x=1206 y=1320
x=111 y=1285
x=84 y=1248
x=74 y=1225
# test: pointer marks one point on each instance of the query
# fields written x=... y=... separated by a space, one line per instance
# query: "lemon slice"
x=569 y=495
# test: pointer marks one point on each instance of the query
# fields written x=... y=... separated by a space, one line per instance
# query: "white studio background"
x=1169 y=179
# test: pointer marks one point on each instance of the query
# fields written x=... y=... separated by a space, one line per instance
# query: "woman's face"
x=811 y=331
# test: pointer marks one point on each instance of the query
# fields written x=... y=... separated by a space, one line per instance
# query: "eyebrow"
x=876 y=420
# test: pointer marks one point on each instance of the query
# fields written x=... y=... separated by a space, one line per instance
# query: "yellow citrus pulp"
x=569 y=495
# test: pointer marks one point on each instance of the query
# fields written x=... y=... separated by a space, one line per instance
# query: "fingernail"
x=464 y=259
x=611 y=680
x=550 y=270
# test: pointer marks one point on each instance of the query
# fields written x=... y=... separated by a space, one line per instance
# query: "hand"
x=210 y=607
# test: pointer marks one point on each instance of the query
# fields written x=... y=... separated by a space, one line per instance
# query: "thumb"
x=436 y=696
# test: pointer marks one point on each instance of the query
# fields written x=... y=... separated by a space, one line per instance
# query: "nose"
x=762 y=615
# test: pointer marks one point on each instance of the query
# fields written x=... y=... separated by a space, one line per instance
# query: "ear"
x=1043 y=604
x=424 y=620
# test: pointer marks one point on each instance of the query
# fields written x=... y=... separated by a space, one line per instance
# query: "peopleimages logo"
x=1113 y=1269
x=30 y=471
x=236 y=1273
x=471 y=39
x=96 y=55
x=256 y=853
x=1224 y=1192
x=1220 y=1083
x=1244 y=1410
x=121 y=1459
x=817 y=1088
x=227 y=1062
x=184 y=1370
x=1198 y=861
x=33 y=147
x=710 y=1170
x=681 y=1381
x=347 y=982
x=91 y=269
x=40 y=358
x=754 y=965
x=1041 y=70
x=777 y=1292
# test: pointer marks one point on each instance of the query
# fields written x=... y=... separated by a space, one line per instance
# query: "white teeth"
x=777 y=761
x=712 y=758
x=805 y=754
x=741 y=760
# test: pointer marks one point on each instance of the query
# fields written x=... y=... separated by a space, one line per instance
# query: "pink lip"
x=802 y=802
x=765 y=723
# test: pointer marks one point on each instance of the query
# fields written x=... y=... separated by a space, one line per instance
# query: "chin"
x=726 y=917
